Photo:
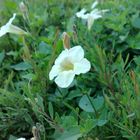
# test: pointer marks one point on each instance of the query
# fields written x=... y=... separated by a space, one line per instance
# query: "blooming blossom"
x=93 y=15
x=10 y=28
x=69 y=63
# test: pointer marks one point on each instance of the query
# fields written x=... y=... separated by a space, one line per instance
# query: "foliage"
x=102 y=104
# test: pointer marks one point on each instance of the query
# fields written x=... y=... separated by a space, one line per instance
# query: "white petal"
x=16 y=30
x=9 y=28
x=96 y=16
x=98 y=13
x=95 y=11
x=106 y=10
x=80 y=13
x=94 y=4
x=64 y=79
x=61 y=57
x=90 y=21
x=82 y=67
x=54 y=72
x=4 y=29
x=85 y=16
x=21 y=139
x=76 y=53
x=11 y=19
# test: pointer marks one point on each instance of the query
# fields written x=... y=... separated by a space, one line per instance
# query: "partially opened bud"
x=16 y=30
x=66 y=40
x=75 y=38
x=35 y=134
x=24 y=10
x=34 y=131
x=90 y=22
x=23 y=7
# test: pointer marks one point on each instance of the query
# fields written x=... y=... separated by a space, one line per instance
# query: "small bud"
x=75 y=38
x=35 y=134
x=66 y=40
x=90 y=22
x=24 y=10
x=23 y=7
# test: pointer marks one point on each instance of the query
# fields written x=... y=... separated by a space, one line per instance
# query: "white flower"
x=69 y=63
x=93 y=15
x=21 y=139
x=10 y=28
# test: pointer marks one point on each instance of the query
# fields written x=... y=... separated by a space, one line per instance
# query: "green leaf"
x=137 y=60
x=40 y=102
x=87 y=105
x=12 y=137
x=133 y=41
x=136 y=23
x=101 y=122
x=74 y=94
x=61 y=92
x=70 y=127
x=72 y=134
x=51 y=111
x=87 y=125
x=44 y=48
x=28 y=76
x=2 y=55
x=28 y=118
x=22 y=66
x=98 y=102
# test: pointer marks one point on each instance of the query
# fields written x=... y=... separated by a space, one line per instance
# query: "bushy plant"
x=100 y=104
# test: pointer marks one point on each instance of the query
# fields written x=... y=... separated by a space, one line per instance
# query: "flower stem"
x=27 y=54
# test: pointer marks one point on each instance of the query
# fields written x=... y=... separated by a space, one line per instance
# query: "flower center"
x=66 y=65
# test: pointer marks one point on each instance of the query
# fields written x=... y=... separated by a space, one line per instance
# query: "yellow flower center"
x=66 y=65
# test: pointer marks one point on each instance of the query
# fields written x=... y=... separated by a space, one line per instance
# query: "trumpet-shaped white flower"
x=10 y=28
x=93 y=15
x=69 y=63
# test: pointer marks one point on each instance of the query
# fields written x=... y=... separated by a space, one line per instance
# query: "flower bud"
x=35 y=134
x=23 y=7
x=75 y=38
x=66 y=40
x=24 y=10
